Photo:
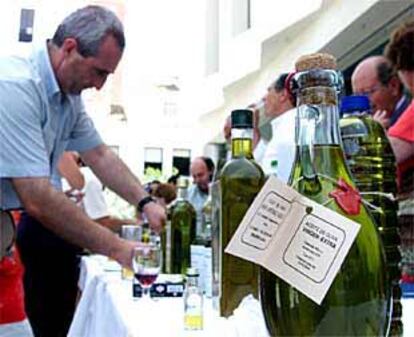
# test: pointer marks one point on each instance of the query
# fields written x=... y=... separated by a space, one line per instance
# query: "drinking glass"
x=146 y=263
x=131 y=233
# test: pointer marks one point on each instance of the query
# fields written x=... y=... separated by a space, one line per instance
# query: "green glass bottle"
x=241 y=179
x=180 y=231
x=358 y=301
x=372 y=163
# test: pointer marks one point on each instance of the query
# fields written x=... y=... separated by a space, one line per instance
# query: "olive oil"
x=372 y=163
x=240 y=180
x=358 y=301
x=180 y=232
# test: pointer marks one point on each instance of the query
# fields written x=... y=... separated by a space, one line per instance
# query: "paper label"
x=294 y=237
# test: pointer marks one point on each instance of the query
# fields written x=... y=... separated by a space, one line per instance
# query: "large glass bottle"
x=358 y=301
x=180 y=231
x=372 y=163
x=241 y=178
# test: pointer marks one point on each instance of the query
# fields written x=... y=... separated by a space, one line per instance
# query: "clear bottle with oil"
x=193 y=302
x=358 y=301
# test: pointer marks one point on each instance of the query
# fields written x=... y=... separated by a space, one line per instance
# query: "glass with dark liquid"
x=146 y=263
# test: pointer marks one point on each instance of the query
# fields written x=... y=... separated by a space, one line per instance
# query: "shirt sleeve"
x=84 y=135
x=23 y=151
x=404 y=127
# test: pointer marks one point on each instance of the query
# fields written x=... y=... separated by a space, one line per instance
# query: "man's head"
x=375 y=78
x=202 y=170
x=400 y=51
x=86 y=47
x=278 y=100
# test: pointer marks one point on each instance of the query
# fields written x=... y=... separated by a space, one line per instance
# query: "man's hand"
x=381 y=116
x=156 y=216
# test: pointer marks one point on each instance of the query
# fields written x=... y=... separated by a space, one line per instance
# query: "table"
x=107 y=309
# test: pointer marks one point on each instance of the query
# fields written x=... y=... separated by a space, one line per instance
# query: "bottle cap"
x=354 y=103
x=193 y=272
x=242 y=119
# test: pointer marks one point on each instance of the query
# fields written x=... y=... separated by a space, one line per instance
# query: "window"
x=181 y=161
x=153 y=158
x=241 y=16
x=26 y=25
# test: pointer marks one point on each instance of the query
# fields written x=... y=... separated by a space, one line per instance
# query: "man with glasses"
x=41 y=116
x=375 y=78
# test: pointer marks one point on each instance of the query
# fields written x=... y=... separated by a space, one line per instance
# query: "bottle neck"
x=317 y=127
x=317 y=120
x=182 y=193
x=192 y=281
x=242 y=143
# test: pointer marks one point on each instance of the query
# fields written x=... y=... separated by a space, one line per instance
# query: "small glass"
x=146 y=263
x=131 y=233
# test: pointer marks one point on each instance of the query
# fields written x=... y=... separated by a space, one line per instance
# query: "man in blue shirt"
x=42 y=115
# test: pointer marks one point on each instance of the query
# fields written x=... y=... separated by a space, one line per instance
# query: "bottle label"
x=294 y=237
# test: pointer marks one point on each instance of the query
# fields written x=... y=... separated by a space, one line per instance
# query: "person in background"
x=400 y=52
x=280 y=106
x=376 y=78
x=165 y=194
x=41 y=116
x=81 y=184
x=202 y=171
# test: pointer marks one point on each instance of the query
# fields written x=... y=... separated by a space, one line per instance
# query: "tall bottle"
x=241 y=178
x=180 y=231
x=372 y=163
x=358 y=301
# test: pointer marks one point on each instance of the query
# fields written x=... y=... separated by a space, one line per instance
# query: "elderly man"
x=376 y=78
x=41 y=116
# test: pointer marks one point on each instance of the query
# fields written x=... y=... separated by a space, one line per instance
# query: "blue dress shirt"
x=37 y=123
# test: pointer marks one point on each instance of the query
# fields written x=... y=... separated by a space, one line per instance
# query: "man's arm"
x=113 y=173
x=402 y=148
x=57 y=213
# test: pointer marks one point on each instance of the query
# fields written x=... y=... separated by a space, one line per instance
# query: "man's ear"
x=69 y=46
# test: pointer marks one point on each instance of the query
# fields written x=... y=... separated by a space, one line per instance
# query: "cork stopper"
x=315 y=61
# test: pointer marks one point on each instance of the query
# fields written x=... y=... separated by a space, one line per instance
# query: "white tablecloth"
x=107 y=309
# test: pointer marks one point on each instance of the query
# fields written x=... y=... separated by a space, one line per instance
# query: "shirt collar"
x=41 y=58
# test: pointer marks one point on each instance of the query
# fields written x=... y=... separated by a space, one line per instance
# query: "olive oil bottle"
x=240 y=179
x=180 y=231
x=358 y=301
x=372 y=163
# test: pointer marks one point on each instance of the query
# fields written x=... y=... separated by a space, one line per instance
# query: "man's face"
x=77 y=73
x=200 y=174
x=272 y=102
x=381 y=97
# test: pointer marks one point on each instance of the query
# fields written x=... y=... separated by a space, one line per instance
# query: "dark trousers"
x=50 y=279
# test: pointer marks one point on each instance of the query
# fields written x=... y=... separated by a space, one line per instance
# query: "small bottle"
x=193 y=302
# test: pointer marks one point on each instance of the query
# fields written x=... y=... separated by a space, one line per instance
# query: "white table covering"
x=107 y=309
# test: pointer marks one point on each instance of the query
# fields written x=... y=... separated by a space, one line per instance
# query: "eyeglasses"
x=371 y=91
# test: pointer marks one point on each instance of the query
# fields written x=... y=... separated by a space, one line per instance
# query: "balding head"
x=202 y=170
x=375 y=78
